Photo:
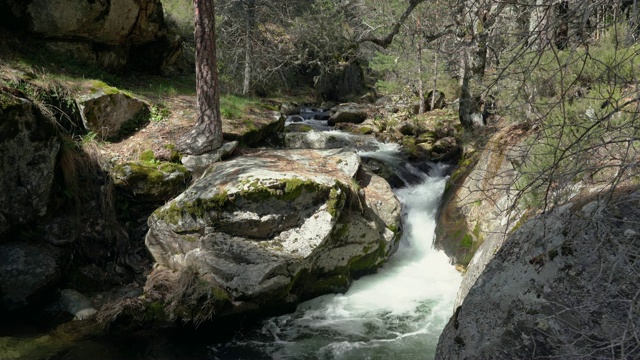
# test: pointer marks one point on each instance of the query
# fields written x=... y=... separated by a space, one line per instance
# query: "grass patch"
x=233 y=106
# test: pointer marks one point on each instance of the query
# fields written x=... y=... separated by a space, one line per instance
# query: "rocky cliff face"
x=565 y=284
x=560 y=284
x=270 y=228
x=29 y=149
x=478 y=210
x=109 y=33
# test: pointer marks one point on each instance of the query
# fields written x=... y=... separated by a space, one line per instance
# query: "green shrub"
x=158 y=113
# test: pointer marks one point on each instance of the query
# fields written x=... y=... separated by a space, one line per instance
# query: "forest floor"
x=172 y=99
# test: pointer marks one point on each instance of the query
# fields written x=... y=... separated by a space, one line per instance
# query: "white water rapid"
x=397 y=313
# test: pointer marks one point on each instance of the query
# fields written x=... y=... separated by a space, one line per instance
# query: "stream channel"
x=396 y=313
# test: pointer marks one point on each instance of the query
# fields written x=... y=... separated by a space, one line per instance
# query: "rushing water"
x=396 y=313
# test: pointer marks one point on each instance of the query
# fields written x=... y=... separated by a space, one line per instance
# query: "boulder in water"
x=409 y=128
x=326 y=140
x=77 y=304
x=446 y=149
x=348 y=113
x=273 y=227
x=289 y=109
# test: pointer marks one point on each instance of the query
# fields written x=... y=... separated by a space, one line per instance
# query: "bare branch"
x=386 y=41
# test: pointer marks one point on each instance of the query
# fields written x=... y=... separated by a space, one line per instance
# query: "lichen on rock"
x=564 y=285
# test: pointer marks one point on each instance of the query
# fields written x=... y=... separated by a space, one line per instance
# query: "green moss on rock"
x=365 y=130
x=286 y=190
x=97 y=85
x=332 y=284
x=337 y=199
x=147 y=155
x=366 y=263
x=427 y=137
x=150 y=180
x=175 y=156
x=155 y=311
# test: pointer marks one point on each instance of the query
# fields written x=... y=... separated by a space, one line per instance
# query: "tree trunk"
x=539 y=24
x=480 y=17
x=465 y=102
x=561 y=38
x=421 y=108
x=435 y=80
x=206 y=135
x=250 y=11
x=632 y=33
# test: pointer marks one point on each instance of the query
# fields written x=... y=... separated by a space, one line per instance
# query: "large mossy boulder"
x=564 y=285
x=28 y=150
x=109 y=22
x=273 y=227
x=348 y=113
x=478 y=206
x=111 y=113
x=110 y=33
x=150 y=181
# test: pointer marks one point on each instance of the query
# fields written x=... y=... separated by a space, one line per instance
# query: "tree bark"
x=250 y=10
x=465 y=109
x=206 y=135
x=435 y=80
x=421 y=107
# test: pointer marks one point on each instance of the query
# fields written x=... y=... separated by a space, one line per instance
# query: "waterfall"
x=396 y=313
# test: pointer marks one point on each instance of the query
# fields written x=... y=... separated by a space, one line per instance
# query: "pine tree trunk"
x=206 y=135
